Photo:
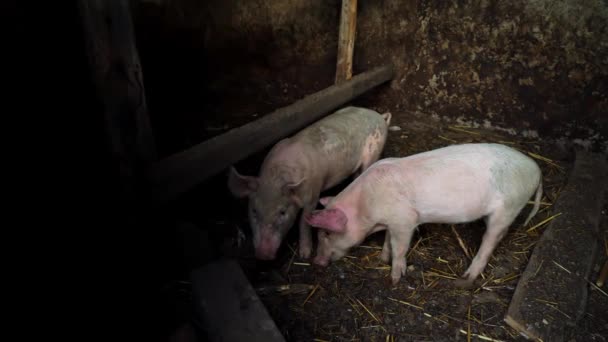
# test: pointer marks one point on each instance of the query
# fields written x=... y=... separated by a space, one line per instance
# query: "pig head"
x=336 y=233
x=274 y=203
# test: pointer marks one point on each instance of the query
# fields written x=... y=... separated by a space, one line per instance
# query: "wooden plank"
x=117 y=74
x=228 y=307
x=182 y=171
x=551 y=295
x=346 y=41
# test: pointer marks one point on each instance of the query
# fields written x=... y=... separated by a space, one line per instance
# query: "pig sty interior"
x=532 y=73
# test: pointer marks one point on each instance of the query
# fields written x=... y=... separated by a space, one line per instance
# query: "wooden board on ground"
x=228 y=307
x=551 y=295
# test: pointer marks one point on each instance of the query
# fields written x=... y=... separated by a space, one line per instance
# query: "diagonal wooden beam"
x=180 y=172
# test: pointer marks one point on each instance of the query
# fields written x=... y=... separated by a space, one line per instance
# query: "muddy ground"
x=352 y=299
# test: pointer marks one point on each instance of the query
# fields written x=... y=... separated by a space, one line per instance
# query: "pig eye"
x=282 y=212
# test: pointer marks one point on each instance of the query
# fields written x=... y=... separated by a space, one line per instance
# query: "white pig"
x=298 y=168
x=454 y=184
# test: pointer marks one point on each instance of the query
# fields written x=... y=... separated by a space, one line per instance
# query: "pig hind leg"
x=371 y=153
x=497 y=225
x=385 y=255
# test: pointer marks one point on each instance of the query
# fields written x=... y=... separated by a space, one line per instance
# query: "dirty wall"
x=529 y=67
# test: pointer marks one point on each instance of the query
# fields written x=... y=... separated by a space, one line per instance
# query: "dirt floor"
x=352 y=299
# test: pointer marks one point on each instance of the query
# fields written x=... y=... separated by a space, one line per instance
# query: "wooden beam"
x=182 y=171
x=346 y=41
x=117 y=74
x=551 y=294
x=227 y=306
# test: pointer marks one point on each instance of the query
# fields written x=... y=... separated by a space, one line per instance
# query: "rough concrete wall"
x=210 y=64
x=532 y=67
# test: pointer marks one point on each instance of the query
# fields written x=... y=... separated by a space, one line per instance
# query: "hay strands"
x=461 y=242
x=482 y=337
x=311 y=293
x=542 y=222
x=368 y=311
x=285 y=289
x=419 y=308
x=460 y=129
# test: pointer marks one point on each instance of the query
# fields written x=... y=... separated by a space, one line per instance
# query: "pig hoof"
x=385 y=257
x=305 y=252
x=464 y=283
x=395 y=280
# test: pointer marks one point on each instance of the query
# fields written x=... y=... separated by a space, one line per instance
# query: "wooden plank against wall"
x=182 y=171
x=346 y=41
x=117 y=74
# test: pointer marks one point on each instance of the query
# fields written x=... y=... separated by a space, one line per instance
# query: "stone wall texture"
x=537 y=67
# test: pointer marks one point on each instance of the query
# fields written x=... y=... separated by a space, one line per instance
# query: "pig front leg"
x=400 y=238
x=305 y=245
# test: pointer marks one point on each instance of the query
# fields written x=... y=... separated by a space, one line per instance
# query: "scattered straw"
x=546 y=160
x=542 y=222
x=457 y=129
x=546 y=301
x=538 y=269
x=302 y=263
x=353 y=304
x=443 y=272
x=405 y=303
x=506 y=279
x=369 y=312
x=293 y=256
x=370 y=247
x=562 y=267
x=447 y=139
x=443 y=261
x=320 y=340
x=469 y=325
x=378 y=268
x=352 y=263
x=597 y=288
x=435 y=274
x=413 y=248
x=558 y=310
x=541 y=203
x=481 y=336
x=461 y=242
x=311 y=293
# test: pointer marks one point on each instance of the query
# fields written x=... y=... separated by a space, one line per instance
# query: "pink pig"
x=298 y=168
x=454 y=184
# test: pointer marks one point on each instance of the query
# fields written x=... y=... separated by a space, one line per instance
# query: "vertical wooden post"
x=346 y=41
x=117 y=74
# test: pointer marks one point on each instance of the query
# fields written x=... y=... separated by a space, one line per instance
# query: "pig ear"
x=333 y=220
x=239 y=185
x=325 y=200
x=387 y=117
x=291 y=190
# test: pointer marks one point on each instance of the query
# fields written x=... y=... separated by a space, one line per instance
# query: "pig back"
x=337 y=141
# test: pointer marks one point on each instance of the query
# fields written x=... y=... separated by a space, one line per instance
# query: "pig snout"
x=321 y=260
x=267 y=247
